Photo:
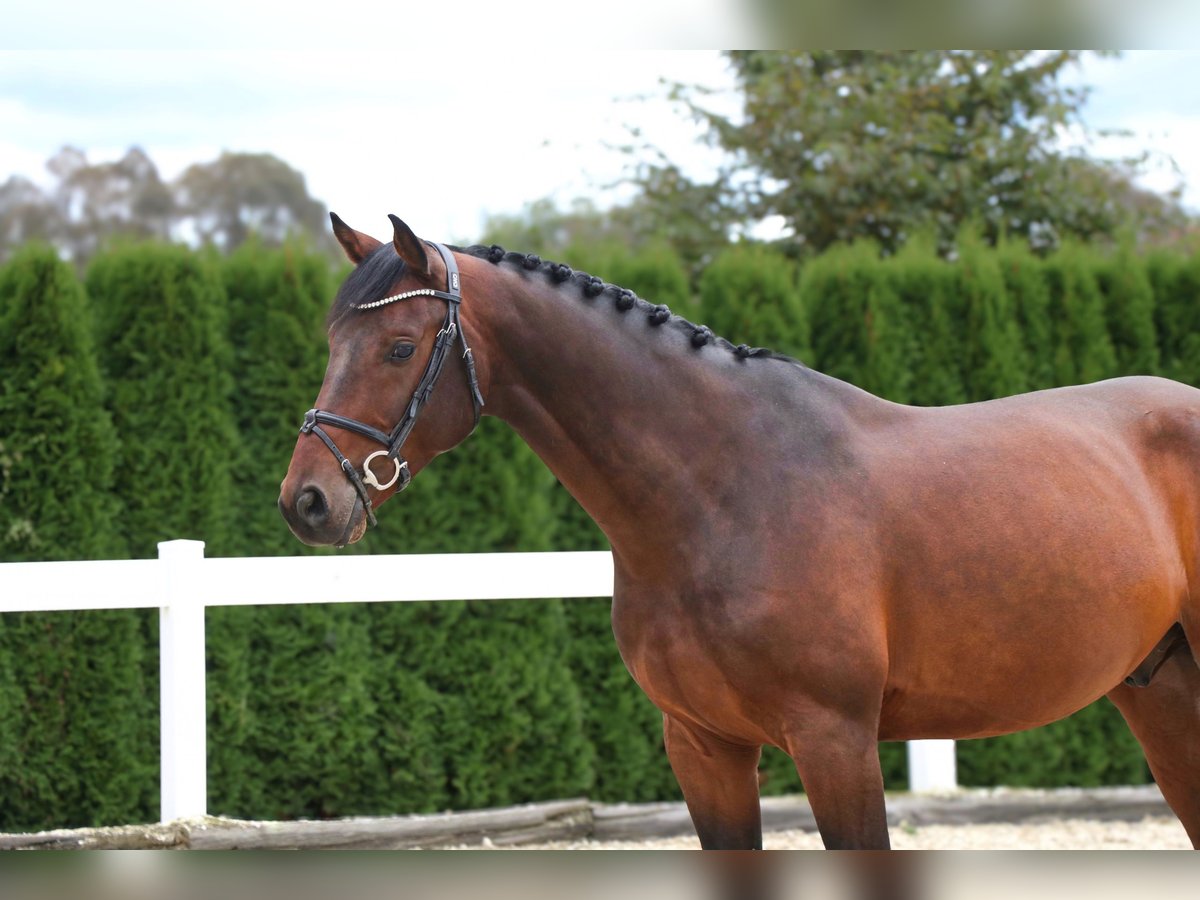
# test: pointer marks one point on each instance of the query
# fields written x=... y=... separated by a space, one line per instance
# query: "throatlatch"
x=451 y=328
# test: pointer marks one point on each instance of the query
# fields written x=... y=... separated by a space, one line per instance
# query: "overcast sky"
x=443 y=136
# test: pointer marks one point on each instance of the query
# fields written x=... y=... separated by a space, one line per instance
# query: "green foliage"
x=233 y=689
x=239 y=195
x=669 y=211
x=621 y=724
x=296 y=737
x=58 y=447
x=1176 y=283
x=506 y=664
x=161 y=321
x=77 y=726
x=1091 y=748
x=853 y=144
x=994 y=362
x=1083 y=351
x=929 y=291
x=276 y=302
x=750 y=295
x=578 y=235
x=860 y=330
x=310 y=735
x=1129 y=311
x=87 y=739
x=387 y=708
x=1025 y=281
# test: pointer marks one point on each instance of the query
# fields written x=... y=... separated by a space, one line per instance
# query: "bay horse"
x=798 y=562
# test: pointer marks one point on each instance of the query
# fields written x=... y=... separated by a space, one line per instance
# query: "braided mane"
x=375 y=276
x=624 y=299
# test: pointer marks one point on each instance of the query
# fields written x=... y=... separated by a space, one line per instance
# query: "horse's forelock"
x=370 y=280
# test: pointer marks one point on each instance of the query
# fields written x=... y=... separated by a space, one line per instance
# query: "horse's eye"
x=403 y=350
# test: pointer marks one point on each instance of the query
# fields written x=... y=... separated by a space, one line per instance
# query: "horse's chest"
x=695 y=664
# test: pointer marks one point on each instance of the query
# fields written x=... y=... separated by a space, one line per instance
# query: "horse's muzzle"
x=315 y=520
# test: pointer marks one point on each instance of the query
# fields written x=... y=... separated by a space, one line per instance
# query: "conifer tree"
x=859 y=326
x=160 y=315
x=310 y=748
x=75 y=723
x=994 y=357
x=750 y=295
x=505 y=664
x=56 y=429
x=277 y=302
x=161 y=322
x=1129 y=308
x=927 y=288
x=1083 y=351
x=833 y=288
x=304 y=739
x=1025 y=280
x=888 y=370
x=1163 y=270
x=1176 y=283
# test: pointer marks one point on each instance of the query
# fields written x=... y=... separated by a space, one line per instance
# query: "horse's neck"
x=642 y=428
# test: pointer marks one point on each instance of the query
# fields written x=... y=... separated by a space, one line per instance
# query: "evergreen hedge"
x=76 y=719
x=930 y=293
x=509 y=724
x=289 y=705
x=189 y=409
x=162 y=328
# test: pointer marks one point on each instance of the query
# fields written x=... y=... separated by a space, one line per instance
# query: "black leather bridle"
x=451 y=328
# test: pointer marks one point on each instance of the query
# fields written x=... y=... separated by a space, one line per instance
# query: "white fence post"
x=181 y=669
x=932 y=766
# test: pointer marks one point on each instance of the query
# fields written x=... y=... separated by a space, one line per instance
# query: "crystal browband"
x=423 y=292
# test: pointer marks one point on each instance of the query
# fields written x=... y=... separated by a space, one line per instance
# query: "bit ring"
x=369 y=476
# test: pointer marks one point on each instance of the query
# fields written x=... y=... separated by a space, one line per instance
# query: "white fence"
x=182 y=582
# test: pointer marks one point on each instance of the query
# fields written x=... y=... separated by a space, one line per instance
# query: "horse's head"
x=394 y=335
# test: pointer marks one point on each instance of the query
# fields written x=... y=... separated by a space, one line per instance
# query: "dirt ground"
x=1065 y=834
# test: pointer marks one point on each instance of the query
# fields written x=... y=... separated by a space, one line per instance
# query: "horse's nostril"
x=311 y=506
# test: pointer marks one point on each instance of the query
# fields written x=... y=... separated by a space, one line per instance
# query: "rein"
x=451 y=328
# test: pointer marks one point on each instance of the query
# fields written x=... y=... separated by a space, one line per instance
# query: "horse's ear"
x=409 y=247
x=358 y=246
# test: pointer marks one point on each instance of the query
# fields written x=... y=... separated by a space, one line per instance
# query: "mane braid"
x=700 y=336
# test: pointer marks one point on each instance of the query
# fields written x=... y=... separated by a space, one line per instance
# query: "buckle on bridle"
x=369 y=476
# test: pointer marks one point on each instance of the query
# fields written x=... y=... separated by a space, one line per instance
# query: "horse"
x=797 y=562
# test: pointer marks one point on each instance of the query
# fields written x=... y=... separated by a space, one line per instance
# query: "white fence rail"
x=182 y=582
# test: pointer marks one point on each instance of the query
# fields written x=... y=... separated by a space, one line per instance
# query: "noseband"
x=451 y=328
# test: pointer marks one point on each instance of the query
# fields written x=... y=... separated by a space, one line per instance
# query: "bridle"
x=451 y=327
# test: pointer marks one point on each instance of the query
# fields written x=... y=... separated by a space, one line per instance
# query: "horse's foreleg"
x=720 y=784
x=1165 y=718
x=838 y=762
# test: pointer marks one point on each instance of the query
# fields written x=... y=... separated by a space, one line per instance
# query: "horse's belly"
x=1010 y=653
x=1022 y=580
